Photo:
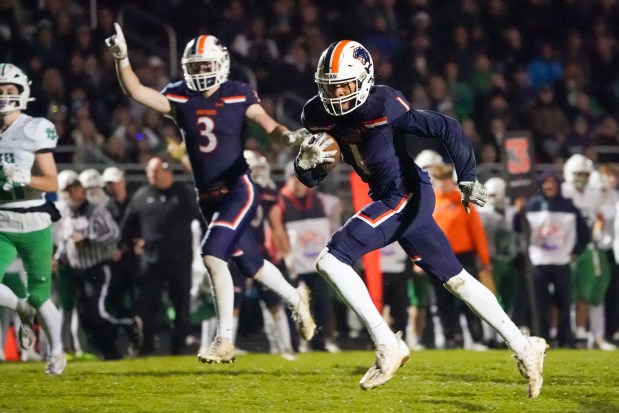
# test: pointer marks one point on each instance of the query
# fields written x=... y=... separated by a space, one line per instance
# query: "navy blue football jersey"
x=372 y=140
x=213 y=129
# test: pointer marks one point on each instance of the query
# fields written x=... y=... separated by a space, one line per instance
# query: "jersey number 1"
x=356 y=153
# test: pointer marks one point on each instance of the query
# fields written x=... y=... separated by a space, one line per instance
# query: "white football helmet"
x=343 y=62
x=67 y=178
x=496 y=188
x=260 y=168
x=577 y=170
x=11 y=74
x=205 y=49
x=428 y=158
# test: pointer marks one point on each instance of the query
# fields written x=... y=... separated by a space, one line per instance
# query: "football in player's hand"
x=326 y=168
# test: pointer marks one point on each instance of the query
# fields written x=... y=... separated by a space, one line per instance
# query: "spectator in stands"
x=295 y=73
x=548 y=124
x=604 y=71
x=545 y=69
x=461 y=92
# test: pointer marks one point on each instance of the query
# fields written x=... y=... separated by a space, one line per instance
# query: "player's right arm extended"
x=131 y=85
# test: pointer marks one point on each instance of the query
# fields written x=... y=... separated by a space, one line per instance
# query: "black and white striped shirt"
x=100 y=233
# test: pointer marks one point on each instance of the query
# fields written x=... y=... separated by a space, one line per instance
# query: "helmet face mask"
x=346 y=64
x=206 y=63
x=12 y=75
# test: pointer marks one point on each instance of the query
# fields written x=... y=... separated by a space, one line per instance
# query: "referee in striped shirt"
x=89 y=238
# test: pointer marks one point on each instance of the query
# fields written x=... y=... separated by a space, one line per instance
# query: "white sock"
x=270 y=329
x=51 y=321
x=581 y=333
x=272 y=278
x=597 y=320
x=282 y=329
x=223 y=295
x=485 y=305
x=208 y=332
x=8 y=298
x=75 y=331
x=355 y=294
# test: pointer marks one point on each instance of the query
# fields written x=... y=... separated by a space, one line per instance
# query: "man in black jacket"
x=157 y=227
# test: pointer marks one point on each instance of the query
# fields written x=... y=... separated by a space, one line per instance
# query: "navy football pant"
x=229 y=232
x=405 y=219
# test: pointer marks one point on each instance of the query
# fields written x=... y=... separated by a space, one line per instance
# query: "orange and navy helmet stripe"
x=331 y=63
x=198 y=44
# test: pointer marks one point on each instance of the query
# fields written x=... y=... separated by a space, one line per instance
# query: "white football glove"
x=293 y=138
x=14 y=176
x=474 y=192
x=312 y=152
x=117 y=44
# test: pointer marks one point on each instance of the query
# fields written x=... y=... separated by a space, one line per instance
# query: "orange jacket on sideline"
x=465 y=232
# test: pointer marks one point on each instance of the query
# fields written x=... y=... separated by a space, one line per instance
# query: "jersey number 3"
x=208 y=140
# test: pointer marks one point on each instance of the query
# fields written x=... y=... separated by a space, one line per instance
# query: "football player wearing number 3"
x=28 y=170
x=369 y=123
x=211 y=112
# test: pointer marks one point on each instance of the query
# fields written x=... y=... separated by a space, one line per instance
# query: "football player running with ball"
x=211 y=112
x=369 y=122
x=28 y=170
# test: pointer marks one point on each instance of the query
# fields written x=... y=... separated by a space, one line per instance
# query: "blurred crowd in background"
x=547 y=66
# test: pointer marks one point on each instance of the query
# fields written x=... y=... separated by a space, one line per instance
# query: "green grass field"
x=433 y=381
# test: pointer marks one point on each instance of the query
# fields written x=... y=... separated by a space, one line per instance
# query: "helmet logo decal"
x=363 y=56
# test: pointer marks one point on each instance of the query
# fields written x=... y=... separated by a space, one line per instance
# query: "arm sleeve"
x=428 y=124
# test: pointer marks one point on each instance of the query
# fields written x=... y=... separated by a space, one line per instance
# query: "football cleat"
x=288 y=355
x=388 y=361
x=221 y=350
x=531 y=364
x=302 y=315
x=26 y=334
x=604 y=345
x=56 y=364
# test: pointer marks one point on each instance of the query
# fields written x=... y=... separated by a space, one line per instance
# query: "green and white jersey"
x=19 y=144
